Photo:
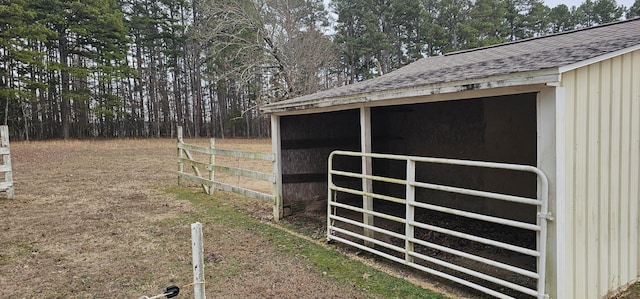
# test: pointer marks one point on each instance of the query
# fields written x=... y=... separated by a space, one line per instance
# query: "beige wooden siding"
x=602 y=179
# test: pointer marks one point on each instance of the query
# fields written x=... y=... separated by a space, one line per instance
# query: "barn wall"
x=497 y=129
x=602 y=152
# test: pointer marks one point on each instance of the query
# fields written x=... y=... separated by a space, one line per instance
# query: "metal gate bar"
x=341 y=234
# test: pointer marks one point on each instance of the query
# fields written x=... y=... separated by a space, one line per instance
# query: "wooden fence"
x=5 y=167
x=204 y=172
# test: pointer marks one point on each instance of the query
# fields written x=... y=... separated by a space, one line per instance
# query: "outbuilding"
x=511 y=169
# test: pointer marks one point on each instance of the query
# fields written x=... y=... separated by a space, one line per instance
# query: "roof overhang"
x=522 y=82
x=597 y=59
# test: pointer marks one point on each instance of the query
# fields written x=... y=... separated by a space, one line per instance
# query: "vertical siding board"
x=568 y=81
x=581 y=182
x=614 y=193
x=603 y=192
x=592 y=163
x=635 y=196
x=625 y=144
x=634 y=166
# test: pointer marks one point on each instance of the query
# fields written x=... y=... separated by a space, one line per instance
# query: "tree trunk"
x=65 y=104
x=139 y=82
x=154 y=112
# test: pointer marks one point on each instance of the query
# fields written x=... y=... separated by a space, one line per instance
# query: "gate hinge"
x=546 y=215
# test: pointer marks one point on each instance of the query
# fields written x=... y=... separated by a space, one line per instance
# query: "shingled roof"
x=536 y=60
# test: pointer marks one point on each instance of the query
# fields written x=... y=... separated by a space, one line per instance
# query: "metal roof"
x=535 y=60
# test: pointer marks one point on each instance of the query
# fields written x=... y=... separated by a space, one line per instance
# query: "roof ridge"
x=541 y=37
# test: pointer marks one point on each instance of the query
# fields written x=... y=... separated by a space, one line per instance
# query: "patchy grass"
x=94 y=219
x=327 y=260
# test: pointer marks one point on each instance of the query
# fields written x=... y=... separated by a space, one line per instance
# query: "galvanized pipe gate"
x=340 y=228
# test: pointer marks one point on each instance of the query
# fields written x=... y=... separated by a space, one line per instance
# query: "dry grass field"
x=106 y=219
x=93 y=219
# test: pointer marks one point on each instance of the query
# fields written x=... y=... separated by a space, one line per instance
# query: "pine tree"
x=634 y=10
x=560 y=19
x=20 y=60
x=89 y=36
x=486 y=23
x=539 y=20
x=607 y=11
x=453 y=19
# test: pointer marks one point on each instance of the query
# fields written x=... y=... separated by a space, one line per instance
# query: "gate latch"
x=546 y=215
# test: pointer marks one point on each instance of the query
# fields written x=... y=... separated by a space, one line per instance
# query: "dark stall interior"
x=496 y=129
x=306 y=142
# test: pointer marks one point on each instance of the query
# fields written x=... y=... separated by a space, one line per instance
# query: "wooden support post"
x=278 y=209
x=197 y=251
x=367 y=185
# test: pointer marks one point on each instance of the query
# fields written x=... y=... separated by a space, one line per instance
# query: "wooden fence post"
x=180 y=155
x=5 y=151
x=212 y=159
x=198 y=261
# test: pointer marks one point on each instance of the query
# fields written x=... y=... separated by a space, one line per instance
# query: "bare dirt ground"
x=91 y=220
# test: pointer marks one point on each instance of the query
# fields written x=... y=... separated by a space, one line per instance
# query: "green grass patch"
x=326 y=260
x=12 y=251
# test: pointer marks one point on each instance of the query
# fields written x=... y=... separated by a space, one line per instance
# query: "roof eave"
x=546 y=76
x=597 y=59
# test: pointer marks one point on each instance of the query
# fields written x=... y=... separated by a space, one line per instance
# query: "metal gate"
x=352 y=223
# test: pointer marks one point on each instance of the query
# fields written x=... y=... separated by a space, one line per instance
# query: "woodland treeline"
x=138 y=68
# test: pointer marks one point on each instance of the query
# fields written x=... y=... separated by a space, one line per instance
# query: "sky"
x=549 y=3
x=569 y=3
x=554 y=3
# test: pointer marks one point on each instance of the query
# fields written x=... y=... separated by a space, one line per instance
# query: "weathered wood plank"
x=232 y=170
x=194 y=178
x=194 y=148
x=244 y=191
x=246 y=155
x=226 y=187
x=4 y=186
x=245 y=173
x=204 y=166
x=228 y=153
x=206 y=188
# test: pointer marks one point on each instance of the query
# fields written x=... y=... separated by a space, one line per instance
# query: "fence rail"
x=365 y=234
x=204 y=172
